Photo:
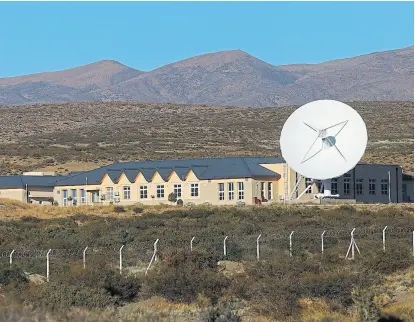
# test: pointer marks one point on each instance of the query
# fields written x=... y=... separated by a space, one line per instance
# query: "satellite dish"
x=322 y=140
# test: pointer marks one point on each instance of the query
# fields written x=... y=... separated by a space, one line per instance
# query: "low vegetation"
x=81 y=136
x=203 y=284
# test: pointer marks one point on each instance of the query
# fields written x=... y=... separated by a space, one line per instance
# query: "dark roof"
x=10 y=182
x=378 y=164
x=204 y=169
x=408 y=176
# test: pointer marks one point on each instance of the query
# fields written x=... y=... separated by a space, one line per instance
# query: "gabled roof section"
x=147 y=173
x=198 y=171
x=204 y=169
x=114 y=174
x=165 y=173
x=181 y=172
x=131 y=174
x=257 y=170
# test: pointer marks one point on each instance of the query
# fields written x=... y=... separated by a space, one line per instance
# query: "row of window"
x=73 y=197
x=359 y=186
x=160 y=191
x=177 y=189
x=231 y=191
x=269 y=190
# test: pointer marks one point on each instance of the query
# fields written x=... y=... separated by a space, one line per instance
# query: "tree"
x=172 y=197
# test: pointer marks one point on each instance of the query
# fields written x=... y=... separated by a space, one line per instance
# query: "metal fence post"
x=291 y=244
x=155 y=250
x=47 y=265
x=84 y=259
x=352 y=245
x=257 y=247
x=384 y=238
x=191 y=243
x=322 y=242
x=153 y=258
x=121 y=258
x=11 y=257
x=352 y=242
x=224 y=246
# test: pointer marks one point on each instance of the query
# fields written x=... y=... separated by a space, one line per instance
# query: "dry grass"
x=54 y=135
x=13 y=209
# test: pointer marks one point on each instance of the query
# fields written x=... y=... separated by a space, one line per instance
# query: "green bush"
x=58 y=295
x=219 y=314
x=119 y=209
x=138 y=209
x=12 y=275
x=90 y=288
x=184 y=275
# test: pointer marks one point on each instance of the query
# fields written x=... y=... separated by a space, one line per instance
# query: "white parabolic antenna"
x=323 y=139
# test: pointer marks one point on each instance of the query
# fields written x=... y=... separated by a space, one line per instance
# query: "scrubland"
x=203 y=284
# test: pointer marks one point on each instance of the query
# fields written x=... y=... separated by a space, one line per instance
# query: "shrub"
x=183 y=276
x=91 y=288
x=12 y=275
x=180 y=202
x=394 y=259
x=172 y=197
x=219 y=314
x=56 y=295
x=138 y=209
x=30 y=219
x=119 y=209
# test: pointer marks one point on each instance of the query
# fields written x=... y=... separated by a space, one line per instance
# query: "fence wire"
x=242 y=247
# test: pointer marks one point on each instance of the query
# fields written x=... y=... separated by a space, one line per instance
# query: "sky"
x=51 y=36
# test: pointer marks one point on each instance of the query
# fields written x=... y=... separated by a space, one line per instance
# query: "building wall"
x=292 y=178
x=367 y=172
x=364 y=172
x=15 y=194
x=40 y=195
x=208 y=190
x=408 y=189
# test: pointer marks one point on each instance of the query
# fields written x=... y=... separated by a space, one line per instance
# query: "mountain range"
x=226 y=78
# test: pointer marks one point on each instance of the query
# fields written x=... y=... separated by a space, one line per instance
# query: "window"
x=384 y=186
x=160 y=191
x=307 y=183
x=359 y=186
x=177 y=189
x=372 y=186
x=194 y=189
x=95 y=196
x=110 y=194
x=230 y=191
x=346 y=184
x=83 y=196
x=221 y=187
x=127 y=193
x=334 y=189
x=262 y=190
x=74 y=197
x=269 y=190
x=143 y=192
x=65 y=197
x=241 y=191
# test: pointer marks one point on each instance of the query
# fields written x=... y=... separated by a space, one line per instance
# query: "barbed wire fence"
x=253 y=247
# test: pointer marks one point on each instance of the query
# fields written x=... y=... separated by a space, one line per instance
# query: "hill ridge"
x=224 y=78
